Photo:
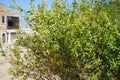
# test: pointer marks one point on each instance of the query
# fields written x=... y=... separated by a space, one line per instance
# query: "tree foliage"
x=76 y=42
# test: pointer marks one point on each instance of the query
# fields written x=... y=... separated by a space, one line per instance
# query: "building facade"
x=9 y=24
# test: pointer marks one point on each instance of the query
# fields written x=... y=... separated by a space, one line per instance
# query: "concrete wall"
x=2 y=13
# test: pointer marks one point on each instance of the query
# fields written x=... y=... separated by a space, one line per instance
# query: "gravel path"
x=4 y=67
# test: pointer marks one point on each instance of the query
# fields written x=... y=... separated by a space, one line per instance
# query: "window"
x=3 y=19
x=12 y=22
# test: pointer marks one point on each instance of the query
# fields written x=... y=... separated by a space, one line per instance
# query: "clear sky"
x=25 y=4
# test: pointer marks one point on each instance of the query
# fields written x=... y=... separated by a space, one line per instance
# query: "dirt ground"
x=4 y=67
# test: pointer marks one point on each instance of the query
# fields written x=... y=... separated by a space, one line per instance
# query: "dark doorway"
x=3 y=38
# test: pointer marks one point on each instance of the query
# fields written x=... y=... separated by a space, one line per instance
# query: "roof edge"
x=2 y=4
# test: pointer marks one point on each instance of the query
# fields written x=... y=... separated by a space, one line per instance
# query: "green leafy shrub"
x=3 y=53
x=75 y=43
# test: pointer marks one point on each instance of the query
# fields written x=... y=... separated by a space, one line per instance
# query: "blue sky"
x=25 y=4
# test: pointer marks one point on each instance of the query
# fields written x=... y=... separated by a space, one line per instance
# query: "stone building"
x=9 y=24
